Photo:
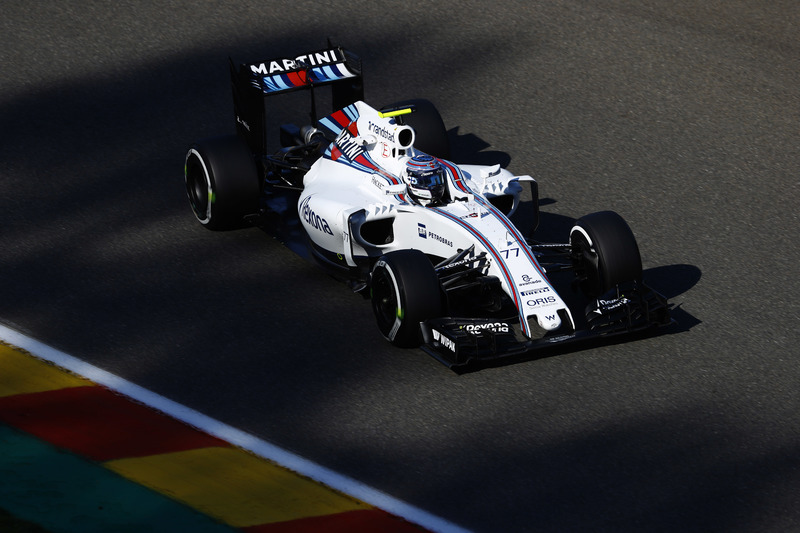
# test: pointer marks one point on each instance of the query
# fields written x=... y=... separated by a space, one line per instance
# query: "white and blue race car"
x=429 y=241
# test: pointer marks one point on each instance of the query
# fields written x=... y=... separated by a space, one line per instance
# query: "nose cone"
x=549 y=321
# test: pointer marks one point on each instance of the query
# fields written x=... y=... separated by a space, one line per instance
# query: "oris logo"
x=312 y=219
x=541 y=301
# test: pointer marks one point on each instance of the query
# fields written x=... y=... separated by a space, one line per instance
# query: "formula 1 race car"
x=429 y=241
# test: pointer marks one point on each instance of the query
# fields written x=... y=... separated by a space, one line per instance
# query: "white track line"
x=230 y=434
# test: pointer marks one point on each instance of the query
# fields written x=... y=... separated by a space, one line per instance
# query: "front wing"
x=460 y=343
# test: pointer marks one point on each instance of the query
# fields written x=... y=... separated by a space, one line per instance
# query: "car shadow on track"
x=469 y=149
x=670 y=281
x=676 y=278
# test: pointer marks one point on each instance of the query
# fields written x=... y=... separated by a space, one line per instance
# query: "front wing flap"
x=463 y=342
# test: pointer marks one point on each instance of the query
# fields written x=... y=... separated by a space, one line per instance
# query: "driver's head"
x=425 y=179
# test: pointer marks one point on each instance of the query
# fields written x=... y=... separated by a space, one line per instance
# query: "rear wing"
x=251 y=83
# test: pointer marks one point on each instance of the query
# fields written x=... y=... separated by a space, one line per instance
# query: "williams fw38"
x=428 y=241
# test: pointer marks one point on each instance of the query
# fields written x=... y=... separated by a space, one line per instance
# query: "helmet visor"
x=426 y=179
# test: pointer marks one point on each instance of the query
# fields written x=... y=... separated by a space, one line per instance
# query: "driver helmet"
x=425 y=179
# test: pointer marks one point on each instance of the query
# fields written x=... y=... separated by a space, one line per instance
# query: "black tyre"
x=605 y=252
x=221 y=182
x=429 y=131
x=405 y=291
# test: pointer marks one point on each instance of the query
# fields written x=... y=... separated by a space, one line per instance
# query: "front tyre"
x=405 y=291
x=221 y=182
x=604 y=252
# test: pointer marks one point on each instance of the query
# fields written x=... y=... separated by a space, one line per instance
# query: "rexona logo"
x=314 y=59
x=444 y=341
x=610 y=305
x=312 y=219
x=494 y=327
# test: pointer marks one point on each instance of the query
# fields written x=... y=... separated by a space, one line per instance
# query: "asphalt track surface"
x=682 y=116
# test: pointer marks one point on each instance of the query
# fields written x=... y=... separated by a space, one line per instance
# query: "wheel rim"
x=197 y=187
x=384 y=301
x=587 y=263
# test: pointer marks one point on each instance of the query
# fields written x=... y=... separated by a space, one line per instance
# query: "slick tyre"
x=221 y=182
x=405 y=291
x=604 y=252
x=429 y=130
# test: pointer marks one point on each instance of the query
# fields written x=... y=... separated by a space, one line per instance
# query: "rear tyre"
x=221 y=182
x=604 y=252
x=405 y=291
x=429 y=131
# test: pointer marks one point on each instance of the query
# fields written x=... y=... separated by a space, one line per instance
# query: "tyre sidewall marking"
x=399 y=311
x=583 y=232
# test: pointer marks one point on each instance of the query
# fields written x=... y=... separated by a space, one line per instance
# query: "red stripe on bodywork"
x=298 y=79
x=456 y=176
x=366 y=521
x=489 y=246
x=366 y=162
x=459 y=181
x=341 y=118
x=99 y=424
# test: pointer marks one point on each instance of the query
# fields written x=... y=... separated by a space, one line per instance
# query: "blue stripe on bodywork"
x=496 y=255
x=460 y=181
